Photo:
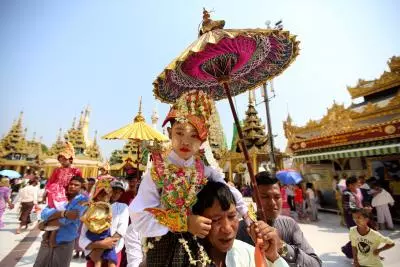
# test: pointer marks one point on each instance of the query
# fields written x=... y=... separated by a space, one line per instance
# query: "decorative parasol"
x=226 y=62
x=139 y=131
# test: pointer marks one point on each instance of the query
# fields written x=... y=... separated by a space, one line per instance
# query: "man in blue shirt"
x=59 y=253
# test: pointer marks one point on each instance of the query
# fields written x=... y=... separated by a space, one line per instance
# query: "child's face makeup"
x=360 y=220
x=185 y=139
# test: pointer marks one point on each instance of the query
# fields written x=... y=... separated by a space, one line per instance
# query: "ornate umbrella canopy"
x=247 y=57
x=138 y=130
x=224 y=63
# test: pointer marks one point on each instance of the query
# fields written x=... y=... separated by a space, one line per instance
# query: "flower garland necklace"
x=179 y=185
x=204 y=259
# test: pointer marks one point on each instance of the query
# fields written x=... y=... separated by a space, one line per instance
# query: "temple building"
x=19 y=154
x=362 y=139
x=256 y=141
x=87 y=152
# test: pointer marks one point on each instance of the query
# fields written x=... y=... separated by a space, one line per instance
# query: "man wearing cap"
x=294 y=246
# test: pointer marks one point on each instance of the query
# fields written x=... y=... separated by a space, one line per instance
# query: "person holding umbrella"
x=162 y=207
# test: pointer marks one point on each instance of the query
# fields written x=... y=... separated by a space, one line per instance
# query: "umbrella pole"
x=137 y=160
x=245 y=152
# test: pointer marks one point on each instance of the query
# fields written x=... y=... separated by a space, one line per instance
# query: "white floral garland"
x=204 y=259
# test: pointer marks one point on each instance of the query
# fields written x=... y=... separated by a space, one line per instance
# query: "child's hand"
x=198 y=225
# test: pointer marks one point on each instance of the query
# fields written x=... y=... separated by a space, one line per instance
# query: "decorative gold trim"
x=386 y=80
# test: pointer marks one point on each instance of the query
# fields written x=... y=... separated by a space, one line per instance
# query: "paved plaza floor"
x=326 y=236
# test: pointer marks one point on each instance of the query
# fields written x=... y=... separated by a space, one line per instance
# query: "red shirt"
x=127 y=197
x=298 y=195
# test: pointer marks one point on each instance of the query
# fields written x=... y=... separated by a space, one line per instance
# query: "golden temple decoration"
x=387 y=80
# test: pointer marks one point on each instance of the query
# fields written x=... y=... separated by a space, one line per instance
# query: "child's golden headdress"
x=194 y=107
x=68 y=151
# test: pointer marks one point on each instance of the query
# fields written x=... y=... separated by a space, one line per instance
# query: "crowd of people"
x=183 y=212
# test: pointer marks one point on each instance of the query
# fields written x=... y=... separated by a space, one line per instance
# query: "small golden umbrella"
x=139 y=131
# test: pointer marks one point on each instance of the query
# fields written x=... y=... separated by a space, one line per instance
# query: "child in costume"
x=161 y=211
x=56 y=187
x=104 y=170
x=365 y=241
x=59 y=179
x=98 y=219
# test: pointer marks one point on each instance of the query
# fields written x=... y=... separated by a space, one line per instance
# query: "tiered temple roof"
x=375 y=119
x=253 y=130
x=16 y=150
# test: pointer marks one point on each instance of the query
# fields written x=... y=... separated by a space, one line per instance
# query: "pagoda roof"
x=388 y=79
x=373 y=113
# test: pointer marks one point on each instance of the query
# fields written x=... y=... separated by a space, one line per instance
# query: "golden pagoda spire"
x=95 y=137
x=73 y=123
x=139 y=117
x=80 y=123
x=59 y=135
x=251 y=97
x=20 y=118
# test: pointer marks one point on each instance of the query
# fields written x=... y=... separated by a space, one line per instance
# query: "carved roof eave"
x=371 y=111
x=386 y=81
x=346 y=132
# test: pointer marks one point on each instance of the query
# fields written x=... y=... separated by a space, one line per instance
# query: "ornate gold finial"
x=95 y=137
x=73 y=123
x=59 y=135
x=139 y=117
x=251 y=97
x=20 y=117
x=209 y=24
x=80 y=124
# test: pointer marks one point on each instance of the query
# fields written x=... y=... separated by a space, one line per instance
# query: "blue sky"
x=58 y=56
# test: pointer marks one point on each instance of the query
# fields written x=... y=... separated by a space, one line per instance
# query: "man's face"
x=185 y=139
x=64 y=161
x=116 y=194
x=271 y=200
x=74 y=187
x=224 y=226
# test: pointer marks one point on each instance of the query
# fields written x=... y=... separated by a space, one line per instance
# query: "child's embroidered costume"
x=59 y=180
x=169 y=190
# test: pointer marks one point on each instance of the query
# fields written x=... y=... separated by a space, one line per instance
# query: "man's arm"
x=299 y=251
x=355 y=256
